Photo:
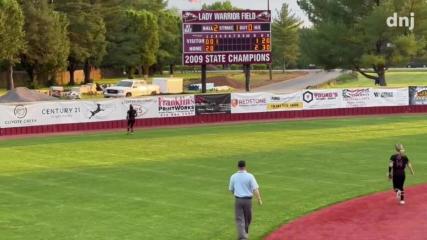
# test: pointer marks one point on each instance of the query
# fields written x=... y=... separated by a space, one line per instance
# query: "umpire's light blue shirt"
x=243 y=184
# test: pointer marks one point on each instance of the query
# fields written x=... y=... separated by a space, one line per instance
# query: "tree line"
x=43 y=37
x=353 y=34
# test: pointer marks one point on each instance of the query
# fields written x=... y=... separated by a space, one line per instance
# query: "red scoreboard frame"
x=226 y=37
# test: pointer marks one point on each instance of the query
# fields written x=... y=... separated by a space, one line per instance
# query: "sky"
x=244 y=4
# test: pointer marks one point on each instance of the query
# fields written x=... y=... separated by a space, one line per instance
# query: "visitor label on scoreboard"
x=226 y=37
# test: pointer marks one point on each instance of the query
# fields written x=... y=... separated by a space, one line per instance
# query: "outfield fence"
x=65 y=116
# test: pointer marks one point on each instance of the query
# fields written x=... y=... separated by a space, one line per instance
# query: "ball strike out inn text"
x=236 y=37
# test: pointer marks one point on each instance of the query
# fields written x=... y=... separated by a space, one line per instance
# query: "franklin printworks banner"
x=417 y=95
x=213 y=104
x=176 y=106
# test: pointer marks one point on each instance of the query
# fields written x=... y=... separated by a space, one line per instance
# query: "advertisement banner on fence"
x=176 y=106
x=249 y=102
x=389 y=97
x=285 y=102
x=65 y=112
x=145 y=107
x=322 y=99
x=22 y=115
x=48 y=113
x=357 y=97
x=99 y=111
x=213 y=104
x=418 y=95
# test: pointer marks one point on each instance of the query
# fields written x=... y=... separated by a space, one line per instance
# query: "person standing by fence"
x=243 y=185
x=131 y=116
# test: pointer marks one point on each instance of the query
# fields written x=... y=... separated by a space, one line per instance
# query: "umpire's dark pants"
x=243 y=211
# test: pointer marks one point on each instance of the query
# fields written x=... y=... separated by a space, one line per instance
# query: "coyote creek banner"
x=322 y=99
x=418 y=95
x=249 y=102
x=285 y=102
x=213 y=104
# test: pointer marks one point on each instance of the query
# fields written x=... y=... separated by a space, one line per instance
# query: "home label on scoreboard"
x=226 y=37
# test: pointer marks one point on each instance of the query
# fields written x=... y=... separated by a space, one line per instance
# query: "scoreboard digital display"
x=226 y=37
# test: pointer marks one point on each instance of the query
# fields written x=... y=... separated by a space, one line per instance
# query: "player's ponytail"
x=400 y=149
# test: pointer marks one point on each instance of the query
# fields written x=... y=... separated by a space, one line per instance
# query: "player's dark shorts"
x=398 y=182
x=131 y=122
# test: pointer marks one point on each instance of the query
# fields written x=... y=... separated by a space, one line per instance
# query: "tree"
x=306 y=57
x=47 y=40
x=133 y=40
x=353 y=34
x=86 y=32
x=219 y=6
x=170 y=35
x=153 y=6
x=145 y=24
x=285 y=33
x=11 y=36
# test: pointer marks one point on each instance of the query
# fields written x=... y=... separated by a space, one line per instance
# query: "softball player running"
x=396 y=171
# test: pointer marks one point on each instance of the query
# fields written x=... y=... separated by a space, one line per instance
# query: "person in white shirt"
x=244 y=186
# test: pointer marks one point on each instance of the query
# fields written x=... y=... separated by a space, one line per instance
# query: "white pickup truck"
x=131 y=88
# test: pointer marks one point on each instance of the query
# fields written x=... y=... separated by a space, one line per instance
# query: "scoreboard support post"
x=204 y=78
x=247 y=68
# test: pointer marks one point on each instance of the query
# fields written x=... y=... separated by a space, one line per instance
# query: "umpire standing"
x=243 y=186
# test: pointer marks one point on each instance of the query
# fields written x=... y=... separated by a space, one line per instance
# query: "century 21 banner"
x=48 y=113
x=65 y=112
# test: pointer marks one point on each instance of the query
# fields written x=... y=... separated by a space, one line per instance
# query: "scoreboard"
x=226 y=37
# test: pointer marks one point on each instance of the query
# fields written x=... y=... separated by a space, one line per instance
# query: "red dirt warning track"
x=373 y=217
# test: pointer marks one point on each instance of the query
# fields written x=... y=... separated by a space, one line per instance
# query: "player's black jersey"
x=132 y=114
x=399 y=164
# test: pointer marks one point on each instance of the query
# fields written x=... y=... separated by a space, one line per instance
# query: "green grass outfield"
x=172 y=183
x=394 y=79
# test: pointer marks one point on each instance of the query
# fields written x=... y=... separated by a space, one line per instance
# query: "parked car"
x=416 y=65
x=131 y=88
